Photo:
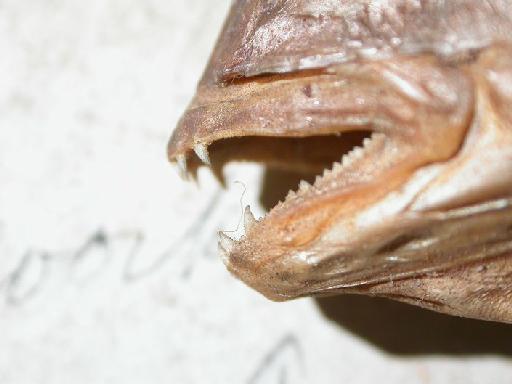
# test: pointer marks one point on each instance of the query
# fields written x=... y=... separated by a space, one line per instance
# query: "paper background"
x=108 y=264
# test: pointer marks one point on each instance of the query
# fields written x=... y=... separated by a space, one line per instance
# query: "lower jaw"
x=474 y=241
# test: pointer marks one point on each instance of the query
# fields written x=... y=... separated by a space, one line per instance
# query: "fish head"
x=411 y=146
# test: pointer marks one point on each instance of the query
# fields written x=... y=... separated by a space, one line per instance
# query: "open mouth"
x=309 y=165
x=319 y=175
x=340 y=128
x=315 y=177
x=382 y=152
x=346 y=143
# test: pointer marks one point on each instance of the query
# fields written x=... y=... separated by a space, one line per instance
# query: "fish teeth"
x=249 y=219
x=181 y=161
x=224 y=255
x=226 y=243
x=355 y=154
x=304 y=186
x=347 y=160
x=201 y=151
x=291 y=194
x=370 y=141
x=337 y=167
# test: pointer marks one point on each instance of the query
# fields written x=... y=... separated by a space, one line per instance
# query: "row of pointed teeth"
x=358 y=152
x=201 y=151
x=349 y=158
x=227 y=244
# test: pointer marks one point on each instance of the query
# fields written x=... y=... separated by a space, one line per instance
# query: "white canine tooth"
x=202 y=152
x=226 y=242
x=249 y=219
x=317 y=179
x=181 y=161
x=366 y=141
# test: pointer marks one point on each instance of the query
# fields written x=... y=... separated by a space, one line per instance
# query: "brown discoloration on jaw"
x=421 y=212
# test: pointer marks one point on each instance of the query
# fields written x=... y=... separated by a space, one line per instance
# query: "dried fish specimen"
x=408 y=106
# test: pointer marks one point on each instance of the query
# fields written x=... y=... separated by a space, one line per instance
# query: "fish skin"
x=424 y=214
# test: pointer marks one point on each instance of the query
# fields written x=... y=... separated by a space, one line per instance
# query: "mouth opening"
x=293 y=164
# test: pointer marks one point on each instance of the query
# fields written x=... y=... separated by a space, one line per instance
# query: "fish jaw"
x=420 y=210
x=402 y=221
x=408 y=111
x=408 y=179
x=412 y=126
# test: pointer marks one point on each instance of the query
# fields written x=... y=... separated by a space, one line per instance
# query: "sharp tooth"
x=249 y=219
x=357 y=152
x=336 y=167
x=345 y=160
x=303 y=185
x=317 y=179
x=202 y=152
x=290 y=195
x=223 y=255
x=367 y=141
x=181 y=160
x=226 y=242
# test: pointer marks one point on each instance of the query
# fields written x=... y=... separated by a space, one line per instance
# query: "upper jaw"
x=398 y=98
